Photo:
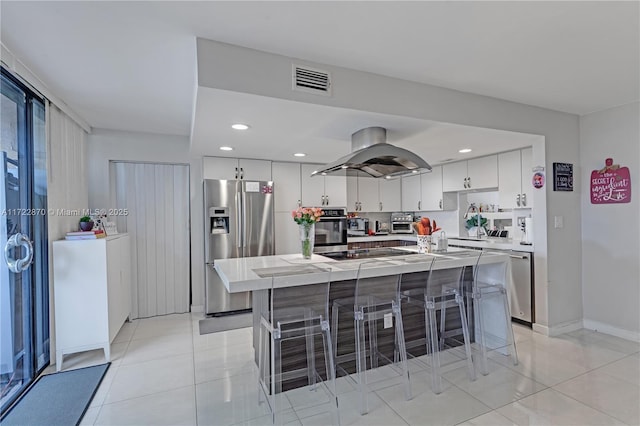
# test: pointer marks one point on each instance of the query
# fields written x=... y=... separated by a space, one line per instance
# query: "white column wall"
x=611 y=232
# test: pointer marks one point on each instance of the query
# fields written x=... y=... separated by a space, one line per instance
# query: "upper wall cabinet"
x=424 y=192
x=390 y=195
x=234 y=168
x=477 y=173
x=322 y=191
x=514 y=174
x=287 y=187
x=367 y=194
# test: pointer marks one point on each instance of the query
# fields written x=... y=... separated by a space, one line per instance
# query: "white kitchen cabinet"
x=362 y=194
x=432 y=197
x=454 y=177
x=477 y=173
x=483 y=172
x=390 y=195
x=235 y=168
x=287 y=234
x=92 y=293
x=514 y=178
x=424 y=192
x=287 y=192
x=322 y=191
x=335 y=190
x=411 y=193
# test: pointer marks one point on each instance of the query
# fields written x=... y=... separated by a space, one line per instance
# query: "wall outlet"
x=558 y=221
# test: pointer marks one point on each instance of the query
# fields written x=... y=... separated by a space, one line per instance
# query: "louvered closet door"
x=157 y=199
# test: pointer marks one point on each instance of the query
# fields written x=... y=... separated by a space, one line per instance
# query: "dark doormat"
x=57 y=399
x=228 y=322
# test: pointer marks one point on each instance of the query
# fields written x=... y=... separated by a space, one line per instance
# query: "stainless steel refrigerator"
x=238 y=223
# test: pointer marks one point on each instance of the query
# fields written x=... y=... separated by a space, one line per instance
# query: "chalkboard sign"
x=562 y=177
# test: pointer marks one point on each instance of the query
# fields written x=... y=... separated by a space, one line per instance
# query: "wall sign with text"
x=611 y=184
x=562 y=177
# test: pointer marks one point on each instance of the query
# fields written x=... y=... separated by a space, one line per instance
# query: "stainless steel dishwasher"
x=521 y=294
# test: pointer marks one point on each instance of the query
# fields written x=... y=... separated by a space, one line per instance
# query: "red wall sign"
x=611 y=184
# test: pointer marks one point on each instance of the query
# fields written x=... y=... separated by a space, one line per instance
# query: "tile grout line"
x=589 y=406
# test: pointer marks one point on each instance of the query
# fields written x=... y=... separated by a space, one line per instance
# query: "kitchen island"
x=294 y=274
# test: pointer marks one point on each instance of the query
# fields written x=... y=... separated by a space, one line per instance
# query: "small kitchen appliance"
x=357 y=227
x=401 y=223
x=381 y=228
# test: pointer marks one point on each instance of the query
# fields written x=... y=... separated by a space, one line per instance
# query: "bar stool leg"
x=510 y=336
x=402 y=348
x=361 y=364
x=436 y=381
x=477 y=305
x=331 y=370
x=465 y=333
x=311 y=358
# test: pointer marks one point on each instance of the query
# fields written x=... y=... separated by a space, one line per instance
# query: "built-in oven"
x=331 y=231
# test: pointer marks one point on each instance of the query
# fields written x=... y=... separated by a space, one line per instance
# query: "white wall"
x=107 y=145
x=611 y=233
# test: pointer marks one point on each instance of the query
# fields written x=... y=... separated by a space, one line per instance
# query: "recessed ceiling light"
x=299 y=154
x=323 y=174
x=239 y=126
x=344 y=167
x=414 y=171
x=464 y=150
x=226 y=148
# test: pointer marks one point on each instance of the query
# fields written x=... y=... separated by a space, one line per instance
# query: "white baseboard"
x=542 y=329
x=557 y=330
x=197 y=308
x=609 y=329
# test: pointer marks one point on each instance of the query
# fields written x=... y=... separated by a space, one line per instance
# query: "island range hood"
x=372 y=155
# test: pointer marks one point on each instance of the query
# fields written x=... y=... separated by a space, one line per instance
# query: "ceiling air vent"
x=311 y=80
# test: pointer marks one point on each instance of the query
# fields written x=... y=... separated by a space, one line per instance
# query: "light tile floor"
x=164 y=373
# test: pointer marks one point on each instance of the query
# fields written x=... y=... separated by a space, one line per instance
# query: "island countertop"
x=254 y=273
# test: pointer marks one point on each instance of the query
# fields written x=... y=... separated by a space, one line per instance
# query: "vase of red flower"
x=306 y=219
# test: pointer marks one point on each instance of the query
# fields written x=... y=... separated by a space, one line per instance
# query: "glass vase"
x=307 y=239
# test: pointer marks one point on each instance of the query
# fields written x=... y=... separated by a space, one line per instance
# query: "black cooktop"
x=364 y=253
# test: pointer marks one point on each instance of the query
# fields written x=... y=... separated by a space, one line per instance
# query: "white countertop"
x=488 y=243
x=240 y=274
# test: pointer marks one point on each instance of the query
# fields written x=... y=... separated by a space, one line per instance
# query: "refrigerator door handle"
x=238 y=227
x=244 y=219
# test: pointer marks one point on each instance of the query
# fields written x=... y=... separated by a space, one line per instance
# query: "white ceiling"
x=280 y=128
x=131 y=65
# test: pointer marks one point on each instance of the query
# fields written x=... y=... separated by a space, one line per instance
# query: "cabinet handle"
x=419 y=204
x=380 y=205
x=524 y=200
x=468 y=182
x=299 y=203
x=518 y=200
x=327 y=198
x=440 y=204
x=241 y=173
x=236 y=173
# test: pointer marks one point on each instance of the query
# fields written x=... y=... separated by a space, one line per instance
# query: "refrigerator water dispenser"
x=219 y=220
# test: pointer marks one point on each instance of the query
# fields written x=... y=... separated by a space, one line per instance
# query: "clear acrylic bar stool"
x=442 y=290
x=291 y=317
x=374 y=300
x=491 y=313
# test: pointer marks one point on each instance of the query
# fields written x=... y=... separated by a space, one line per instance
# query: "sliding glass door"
x=24 y=300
